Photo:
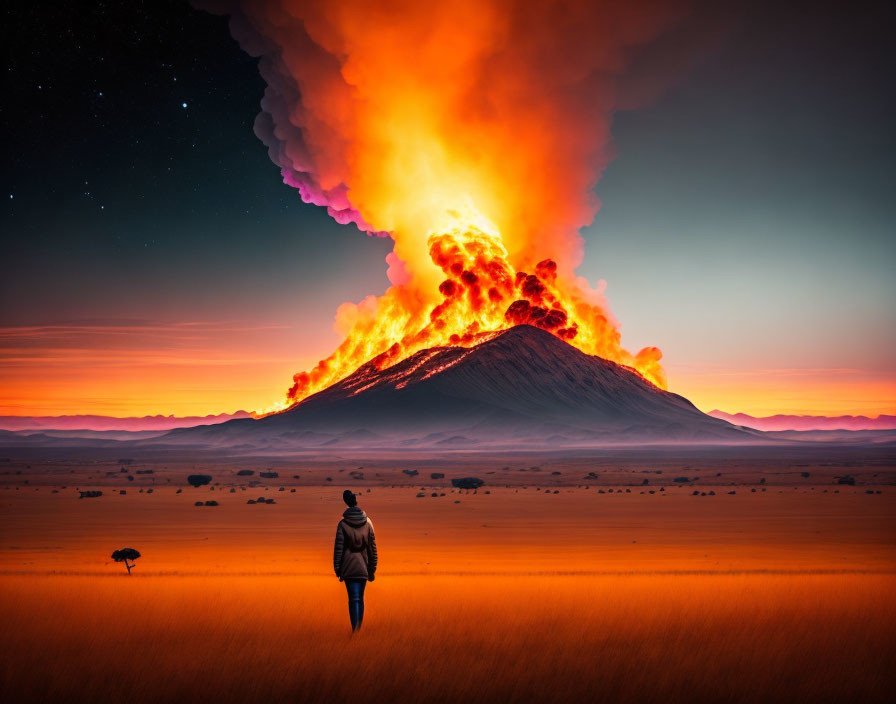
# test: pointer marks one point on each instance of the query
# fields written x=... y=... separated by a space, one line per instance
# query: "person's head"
x=349 y=498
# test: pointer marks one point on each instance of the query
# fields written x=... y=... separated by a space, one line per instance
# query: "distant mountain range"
x=105 y=423
x=523 y=387
x=785 y=422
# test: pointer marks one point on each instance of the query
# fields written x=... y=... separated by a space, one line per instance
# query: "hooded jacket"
x=354 y=552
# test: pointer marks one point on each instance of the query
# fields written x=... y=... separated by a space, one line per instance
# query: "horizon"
x=762 y=414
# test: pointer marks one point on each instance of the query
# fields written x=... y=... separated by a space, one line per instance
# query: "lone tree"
x=198 y=479
x=124 y=555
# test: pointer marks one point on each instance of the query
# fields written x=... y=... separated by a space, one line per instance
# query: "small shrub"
x=467 y=483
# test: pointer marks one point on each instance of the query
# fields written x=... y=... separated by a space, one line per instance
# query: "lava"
x=481 y=294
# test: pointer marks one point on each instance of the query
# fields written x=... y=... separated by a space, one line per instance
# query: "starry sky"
x=153 y=261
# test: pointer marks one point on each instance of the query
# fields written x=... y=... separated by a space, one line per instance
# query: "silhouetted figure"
x=354 y=556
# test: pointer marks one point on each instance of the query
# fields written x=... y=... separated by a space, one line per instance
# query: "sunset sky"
x=154 y=262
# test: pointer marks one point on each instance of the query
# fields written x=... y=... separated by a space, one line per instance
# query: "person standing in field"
x=354 y=556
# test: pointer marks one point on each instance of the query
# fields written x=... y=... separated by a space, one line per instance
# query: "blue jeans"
x=355 y=588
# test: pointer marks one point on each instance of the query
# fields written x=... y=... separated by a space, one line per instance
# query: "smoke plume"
x=478 y=125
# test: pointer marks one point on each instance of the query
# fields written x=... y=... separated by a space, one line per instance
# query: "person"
x=354 y=556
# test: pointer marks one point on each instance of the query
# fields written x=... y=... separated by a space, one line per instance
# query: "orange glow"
x=136 y=369
x=205 y=368
x=766 y=392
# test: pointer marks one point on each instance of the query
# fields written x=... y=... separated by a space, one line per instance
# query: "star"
x=183 y=105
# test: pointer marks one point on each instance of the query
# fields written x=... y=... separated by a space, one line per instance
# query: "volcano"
x=519 y=387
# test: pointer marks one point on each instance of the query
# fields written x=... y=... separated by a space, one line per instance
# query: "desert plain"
x=637 y=575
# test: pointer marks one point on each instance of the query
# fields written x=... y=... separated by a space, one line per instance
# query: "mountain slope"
x=521 y=386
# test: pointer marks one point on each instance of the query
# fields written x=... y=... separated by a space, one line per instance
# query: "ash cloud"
x=523 y=91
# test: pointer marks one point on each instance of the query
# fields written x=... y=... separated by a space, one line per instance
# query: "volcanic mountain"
x=522 y=386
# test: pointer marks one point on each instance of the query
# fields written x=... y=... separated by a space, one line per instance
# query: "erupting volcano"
x=470 y=132
x=520 y=387
x=482 y=294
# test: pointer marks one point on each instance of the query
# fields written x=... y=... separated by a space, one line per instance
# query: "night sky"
x=154 y=262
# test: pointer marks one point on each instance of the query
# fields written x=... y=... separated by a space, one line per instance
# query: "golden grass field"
x=516 y=595
x=681 y=638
